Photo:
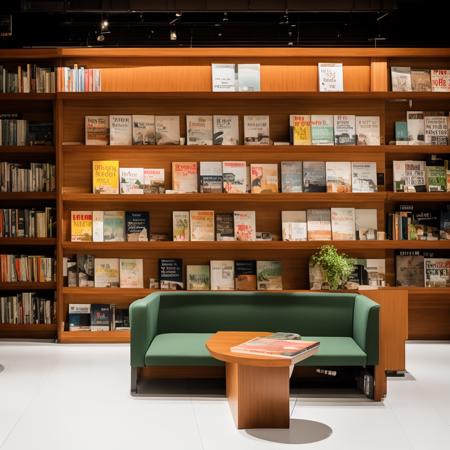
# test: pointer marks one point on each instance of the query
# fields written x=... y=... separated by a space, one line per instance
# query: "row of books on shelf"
x=27 y=78
x=78 y=79
x=27 y=177
x=27 y=268
x=28 y=223
x=16 y=131
x=410 y=79
x=28 y=308
x=97 y=317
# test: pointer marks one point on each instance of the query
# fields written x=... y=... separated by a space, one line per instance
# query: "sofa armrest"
x=143 y=327
x=366 y=327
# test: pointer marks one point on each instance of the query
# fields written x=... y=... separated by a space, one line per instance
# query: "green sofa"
x=171 y=328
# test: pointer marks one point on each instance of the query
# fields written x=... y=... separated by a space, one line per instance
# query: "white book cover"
x=143 y=129
x=106 y=272
x=368 y=130
x=226 y=130
x=436 y=130
x=440 y=80
x=401 y=79
x=339 y=176
x=131 y=273
x=114 y=226
x=180 y=226
x=344 y=129
x=222 y=275
x=224 y=77
x=96 y=130
x=131 y=180
x=199 y=130
x=154 y=181
x=202 y=225
x=234 y=177
x=376 y=272
x=249 y=77
x=97 y=226
x=366 y=224
x=211 y=177
x=416 y=127
x=245 y=225
x=319 y=224
x=167 y=129
x=293 y=225
x=291 y=176
x=256 y=130
x=331 y=77
x=184 y=177
x=343 y=224
x=409 y=176
x=120 y=130
x=364 y=177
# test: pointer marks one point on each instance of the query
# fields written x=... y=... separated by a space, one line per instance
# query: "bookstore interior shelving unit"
x=178 y=82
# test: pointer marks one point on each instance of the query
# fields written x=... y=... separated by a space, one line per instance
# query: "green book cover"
x=322 y=129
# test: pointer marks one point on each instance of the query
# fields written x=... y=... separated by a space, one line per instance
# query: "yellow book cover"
x=81 y=226
x=300 y=129
x=105 y=177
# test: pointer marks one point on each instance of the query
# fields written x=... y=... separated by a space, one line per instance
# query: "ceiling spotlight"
x=173 y=35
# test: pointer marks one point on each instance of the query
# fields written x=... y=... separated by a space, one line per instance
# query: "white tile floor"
x=64 y=397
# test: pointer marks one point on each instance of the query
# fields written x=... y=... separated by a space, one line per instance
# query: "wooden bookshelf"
x=33 y=242
x=94 y=337
x=27 y=196
x=27 y=285
x=28 y=331
x=27 y=149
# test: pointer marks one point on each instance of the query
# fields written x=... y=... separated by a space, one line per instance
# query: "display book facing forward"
x=407 y=79
x=97 y=317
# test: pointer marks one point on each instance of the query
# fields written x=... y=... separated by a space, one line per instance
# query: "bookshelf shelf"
x=418 y=196
x=27 y=149
x=21 y=196
x=114 y=295
x=28 y=327
x=33 y=242
x=27 y=97
x=31 y=331
x=92 y=337
x=27 y=285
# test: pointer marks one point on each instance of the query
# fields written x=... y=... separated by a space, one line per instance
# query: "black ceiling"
x=212 y=23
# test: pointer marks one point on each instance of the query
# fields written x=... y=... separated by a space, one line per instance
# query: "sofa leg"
x=134 y=378
x=380 y=380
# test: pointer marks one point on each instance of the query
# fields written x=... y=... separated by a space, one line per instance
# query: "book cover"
x=122 y=319
x=444 y=223
x=366 y=224
x=249 y=77
x=143 y=129
x=421 y=80
x=264 y=178
x=437 y=272
x=100 y=317
x=300 y=129
x=224 y=227
x=97 y=226
x=269 y=276
x=234 y=177
x=197 y=277
x=180 y=226
x=256 y=130
x=410 y=269
x=96 y=130
x=344 y=129
x=184 y=177
x=244 y=225
x=199 y=130
x=171 y=274
x=331 y=77
x=202 y=225
x=85 y=270
x=401 y=79
x=222 y=275
x=81 y=226
x=120 y=130
x=409 y=176
x=154 y=181
x=245 y=275
x=367 y=130
x=105 y=177
x=72 y=279
x=425 y=225
x=401 y=133
x=314 y=176
x=319 y=224
x=322 y=129
x=225 y=130
x=224 y=77
x=343 y=224
x=211 y=177
x=364 y=177
x=436 y=178
x=440 y=80
x=79 y=317
x=167 y=129
x=293 y=225
x=113 y=226
x=131 y=180
x=371 y=272
x=339 y=176
x=436 y=129
x=106 y=272
x=131 y=273
x=416 y=127
x=291 y=176
x=137 y=225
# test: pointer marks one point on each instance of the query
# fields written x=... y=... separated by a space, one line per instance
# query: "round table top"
x=219 y=346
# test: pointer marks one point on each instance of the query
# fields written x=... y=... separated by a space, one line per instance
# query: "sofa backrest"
x=309 y=314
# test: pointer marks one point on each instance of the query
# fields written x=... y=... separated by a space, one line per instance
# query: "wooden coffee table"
x=257 y=386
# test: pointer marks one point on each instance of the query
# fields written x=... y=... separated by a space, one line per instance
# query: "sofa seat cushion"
x=335 y=351
x=180 y=349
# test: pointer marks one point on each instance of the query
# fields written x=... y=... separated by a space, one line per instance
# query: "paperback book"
x=344 y=129
x=343 y=224
x=437 y=272
x=226 y=130
x=167 y=130
x=409 y=176
x=137 y=226
x=184 y=177
x=364 y=177
x=199 y=130
x=401 y=79
x=269 y=276
x=224 y=227
x=401 y=133
x=331 y=77
x=131 y=180
x=436 y=129
x=222 y=275
x=421 y=80
x=245 y=275
x=416 y=127
x=85 y=270
x=79 y=317
x=256 y=130
x=154 y=181
x=107 y=273
x=202 y=225
x=367 y=130
x=131 y=273
x=224 y=77
x=143 y=129
x=234 y=177
x=291 y=176
x=366 y=224
x=81 y=226
x=244 y=225
x=120 y=130
x=314 y=176
x=211 y=177
x=171 y=274
x=249 y=77
x=100 y=317
x=300 y=129
x=264 y=178
x=113 y=226
x=96 y=130
x=339 y=176
x=105 y=177
x=197 y=278
x=440 y=80
x=409 y=269
x=97 y=226
x=180 y=226
x=436 y=175
x=322 y=130
x=293 y=225
x=319 y=224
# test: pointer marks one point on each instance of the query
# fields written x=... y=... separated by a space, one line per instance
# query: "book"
x=120 y=130
x=143 y=129
x=85 y=270
x=96 y=130
x=343 y=224
x=314 y=176
x=366 y=224
x=234 y=175
x=264 y=178
x=79 y=317
x=376 y=271
x=184 y=177
x=331 y=77
x=81 y=226
x=224 y=77
x=401 y=79
x=167 y=130
x=100 y=317
x=137 y=226
x=421 y=80
x=300 y=129
x=180 y=226
x=225 y=130
x=401 y=133
x=199 y=130
x=249 y=77
x=269 y=276
x=444 y=223
x=106 y=272
x=322 y=129
x=409 y=176
x=293 y=225
x=40 y=133
x=131 y=273
x=437 y=272
x=440 y=80
x=319 y=224
x=409 y=269
x=202 y=225
x=244 y=225
x=197 y=277
x=367 y=130
x=171 y=274
x=122 y=319
x=436 y=129
x=291 y=176
x=339 y=176
x=256 y=130
x=344 y=129
x=70 y=268
x=97 y=226
x=105 y=177
x=416 y=127
x=436 y=176
x=211 y=177
x=224 y=226
x=113 y=226
x=131 y=180
x=154 y=181
x=222 y=275
x=245 y=275
x=364 y=177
